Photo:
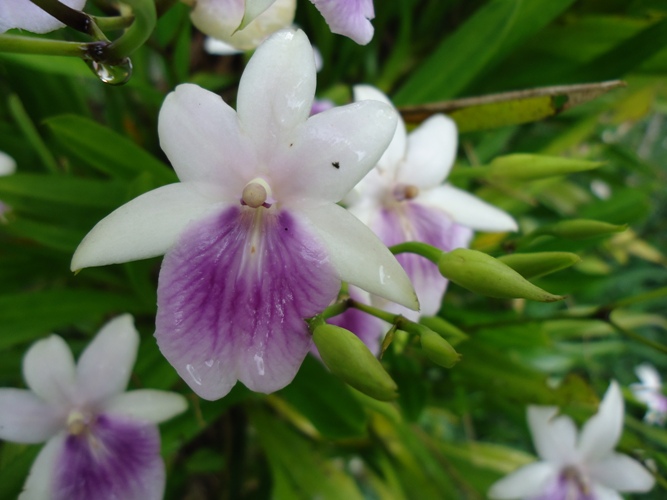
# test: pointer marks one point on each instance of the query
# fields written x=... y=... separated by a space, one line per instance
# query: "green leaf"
x=105 y=150
x=27 y=316
x=482 y=41
x=65 y=189
x=325 y=401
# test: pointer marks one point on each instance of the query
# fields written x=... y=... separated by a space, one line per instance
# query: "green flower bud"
x=579 y=229
x=438 y=349
x=444 y=328
x=481 y=273
x=525 y=167
x=533 y=265
x=349 y=359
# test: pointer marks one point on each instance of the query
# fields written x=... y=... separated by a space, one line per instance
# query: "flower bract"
x=102 y=442
x=254 y=240
x=581 y=466
x=25 y=15
x=404 y=199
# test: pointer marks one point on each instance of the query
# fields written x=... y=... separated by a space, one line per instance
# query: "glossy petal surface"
x=25 y=15
x=527 y=482
x=276 y=94
x=145 y=227
x=147 y=405
x=468 y=210
x=431 y=151
x=120 y=458
x=622 y=473
x=330 y=153
x=233 y=294
x=200 y=134
x=554 y=436
x=48 y=369
x=393 y=157
x=411 y=221
x=359 y=257
x=348 y=17
x=105 y=366
x=25 y=418
x=603 y=430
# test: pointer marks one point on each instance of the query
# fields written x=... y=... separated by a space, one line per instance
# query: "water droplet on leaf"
x=112 y=74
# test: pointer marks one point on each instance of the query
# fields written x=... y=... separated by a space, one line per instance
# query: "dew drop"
x=193 y=373
x=209 y=362
x=382 y=275
x=112 y=74
x=259 y=361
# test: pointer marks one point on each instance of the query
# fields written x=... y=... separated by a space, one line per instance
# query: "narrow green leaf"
x=105 y=150
x=482 y=41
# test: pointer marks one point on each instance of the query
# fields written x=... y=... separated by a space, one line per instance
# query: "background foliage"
x=84 y=148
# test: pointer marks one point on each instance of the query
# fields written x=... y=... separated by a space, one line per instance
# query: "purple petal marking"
x=368 y=328
x=115 y=458
x=348 y=17
x=568 y=486
x=411 y=221
x=232 y=297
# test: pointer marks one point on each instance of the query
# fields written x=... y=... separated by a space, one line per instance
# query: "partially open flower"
x=404 y=199
x=102 y=441
x=253 y=237
x=25 y=15
x=221 y=20
x=573 y=465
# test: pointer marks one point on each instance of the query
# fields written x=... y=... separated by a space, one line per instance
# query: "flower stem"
x=135 y=36
x=639 y=338
x=427 y=251
x=29 y=45
x=113 y=23
x=75 y=19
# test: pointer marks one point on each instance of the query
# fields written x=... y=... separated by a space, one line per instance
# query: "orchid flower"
x=243 y=24
x=7 y=167
x=222 y=19
x=25 y=15
x=253 y=237
x=583 y=467
x=404 y=199
x=649 y=392
x=101 y=442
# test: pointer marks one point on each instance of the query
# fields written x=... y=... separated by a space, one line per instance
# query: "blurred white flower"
x=576 y=466
x=649 y=392
x=102 y=441
x=404 y=198
x=7 y=167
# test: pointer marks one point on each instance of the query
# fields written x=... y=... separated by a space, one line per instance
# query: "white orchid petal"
x=105 y=366
x=468 y=210
x=48 y=369
x=219 y=48
x=39 y=484
x=649 y=376
x=7 y=164
x=200 y=135
x=144 y=227
x=350 y=18
x=147 y=404
x=622 y=473
x=25 y=15
x=431 y=151
x=25 y=418
x=333 y=151
x=527 y=482
x=600 y=492
x=254 y=8
x=603 y=430
x=276 y=91
x=359 y=256
x=554 y=436
x=218 y=18
x=395 y=153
